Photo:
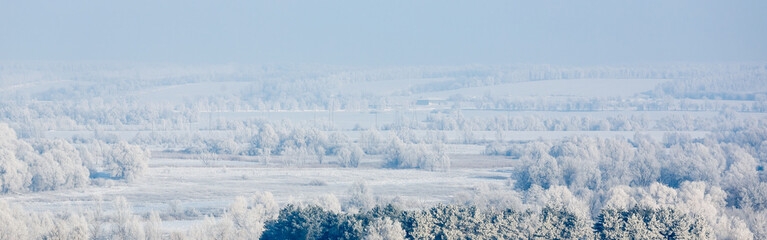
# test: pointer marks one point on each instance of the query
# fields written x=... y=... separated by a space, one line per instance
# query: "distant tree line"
x=101 y=97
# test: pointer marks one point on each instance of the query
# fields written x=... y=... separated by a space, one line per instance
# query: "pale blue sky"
x=385 y=32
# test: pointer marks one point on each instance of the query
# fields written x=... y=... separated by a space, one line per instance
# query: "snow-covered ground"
x=210 y=188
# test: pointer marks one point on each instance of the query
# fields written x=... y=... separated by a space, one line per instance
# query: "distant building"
x=430 y=102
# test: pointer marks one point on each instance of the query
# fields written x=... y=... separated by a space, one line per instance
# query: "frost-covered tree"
x=328 y=202
x=360 y=197
x=14 y=225
x=350 y=156
x=126 y=161
x=247 y=219
x=647 y=223
x=59 y=166
x=372 y=142
x=212 y=228
x=265 y=141
x=558 y=223
x=422 y=156
x=42 y=165
x=266 y=201
x=126 y=224
x=540 y=168
x=14 y=173
x=153 y=227
x=384 y=229
x=312 y=222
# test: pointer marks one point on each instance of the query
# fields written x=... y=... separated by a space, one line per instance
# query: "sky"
x=390 y=32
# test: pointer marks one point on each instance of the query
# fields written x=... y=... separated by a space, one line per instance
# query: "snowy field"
x=208 y=189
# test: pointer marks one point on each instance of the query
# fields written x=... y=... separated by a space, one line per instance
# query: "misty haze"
x=383 y=120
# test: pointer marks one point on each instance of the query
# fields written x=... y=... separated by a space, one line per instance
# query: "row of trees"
x=456 y=121
x=583 y=163
x=422 y=156
x=259 y=218
x=38 y=117
x=694 y=210
x=467 y=222
x=589 y=104
x=401 y=149
x=262 y=137
x=42 y=164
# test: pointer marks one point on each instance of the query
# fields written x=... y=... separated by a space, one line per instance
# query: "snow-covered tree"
x=126 y=224
x=360 y=197
x=126 y=161
x=350 y=156
x=384 y=229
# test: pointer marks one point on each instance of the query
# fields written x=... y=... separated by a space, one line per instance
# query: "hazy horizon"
x=385 y=33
